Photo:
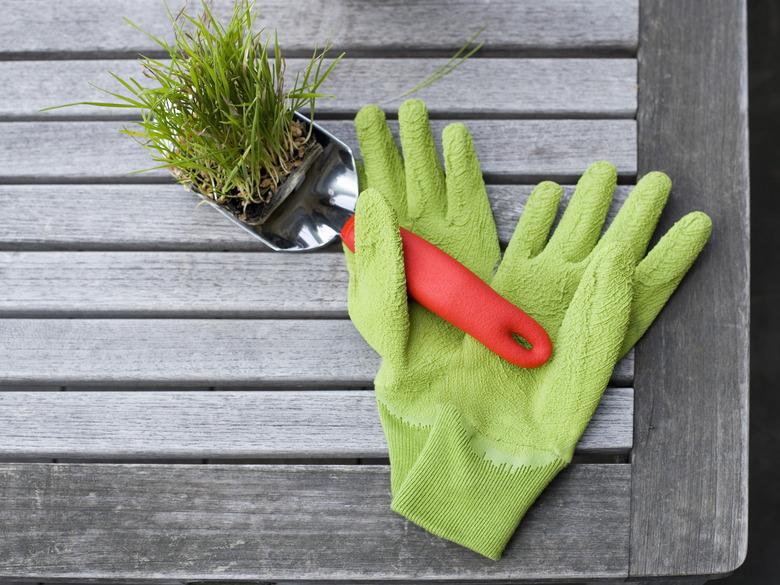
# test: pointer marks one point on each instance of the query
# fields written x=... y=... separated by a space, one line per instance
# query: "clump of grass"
x=217 y=111
x=219 y=114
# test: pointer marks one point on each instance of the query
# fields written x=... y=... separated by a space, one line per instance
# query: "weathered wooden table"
x=179 y=404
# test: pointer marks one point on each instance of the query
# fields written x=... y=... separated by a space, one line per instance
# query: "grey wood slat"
x=173 y=284
x=510 y=149
x=689 y=485
x=163 y=217
x=528 y=87
x=96 y=26
x=193 y=352
x=233 y=424
x=246 y=522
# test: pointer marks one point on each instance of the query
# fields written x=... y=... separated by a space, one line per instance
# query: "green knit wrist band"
x=461 y=495
x=404 y=442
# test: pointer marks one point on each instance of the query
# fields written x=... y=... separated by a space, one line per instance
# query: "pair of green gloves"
x=473 y=439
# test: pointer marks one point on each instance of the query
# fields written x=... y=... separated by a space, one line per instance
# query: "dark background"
x=763 y=560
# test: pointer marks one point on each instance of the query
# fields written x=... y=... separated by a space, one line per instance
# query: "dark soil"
x=256 y=213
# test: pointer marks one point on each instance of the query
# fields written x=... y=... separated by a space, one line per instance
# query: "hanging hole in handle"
x=522 y=341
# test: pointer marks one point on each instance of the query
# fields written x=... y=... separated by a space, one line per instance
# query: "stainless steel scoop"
x=315 y=200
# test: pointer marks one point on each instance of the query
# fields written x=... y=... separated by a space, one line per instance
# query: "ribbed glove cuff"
x=405 y=441
x=456 y=493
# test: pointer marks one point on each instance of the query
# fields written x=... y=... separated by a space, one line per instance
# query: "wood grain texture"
x=246 y=522
x=40 y=28
x=164 y=217
x=233 y=425
x=509 y=149
x=529 y=87
x=173 y=284
x=193 y=352
x=689 y=492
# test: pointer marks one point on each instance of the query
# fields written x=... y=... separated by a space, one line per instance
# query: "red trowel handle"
x=445 y=287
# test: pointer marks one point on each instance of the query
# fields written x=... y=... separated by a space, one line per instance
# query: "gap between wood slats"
x=232 y=522
x=577 y=459
x=322 y=118
x=510 y=150
x=194 y=352
x=368 y=54
x=535 y=88
x=230 y=425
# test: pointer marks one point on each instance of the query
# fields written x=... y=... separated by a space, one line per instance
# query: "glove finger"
x=637 y=218
x=378 y=304
x=467 y=199
x=468 y=206
x=383 y=166
x=360 y=169
x=580 y=226
x=662 y=270
x=425 y=185
x=589 y=342
x=533 y=229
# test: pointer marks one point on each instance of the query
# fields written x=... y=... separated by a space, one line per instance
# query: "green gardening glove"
x=501 y=433
x=453 y=212
x=410 y=397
